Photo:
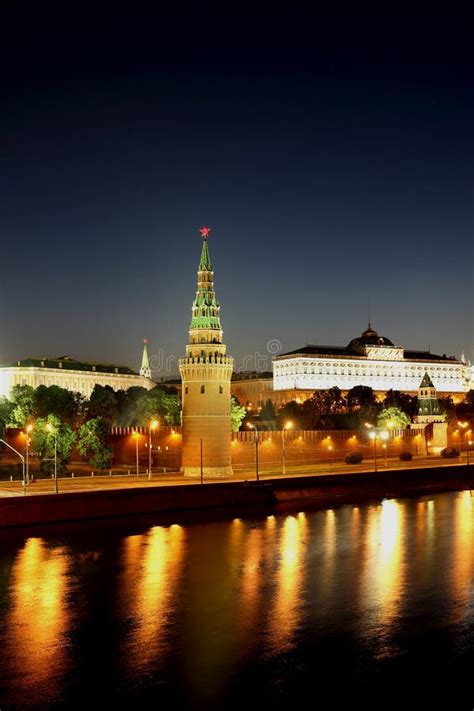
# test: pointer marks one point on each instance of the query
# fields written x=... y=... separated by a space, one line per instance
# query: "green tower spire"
x=205 y=322
x=145 y=370
x=205 y=261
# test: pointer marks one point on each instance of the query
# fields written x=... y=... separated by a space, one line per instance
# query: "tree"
x=54 y=400
x=465 y=409
x=103 y=403
x=93 y=443
x=6 y=409
x=293 y=412
x=267 y=412
x=314 y=409
x=402 y=401
x=237 y=414
x=392 y=418
x=448 y=408
x=148 y=404
x=21 y=399
x=334 y=402
x=43 y=442
x=360 y=396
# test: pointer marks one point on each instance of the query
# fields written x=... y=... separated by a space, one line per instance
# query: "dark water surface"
x=325 y=609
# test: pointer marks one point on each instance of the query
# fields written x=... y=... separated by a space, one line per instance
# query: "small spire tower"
x=145 y=367
x=206 y=373
x=429 y=407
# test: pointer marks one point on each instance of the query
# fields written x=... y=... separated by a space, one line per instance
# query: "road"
x=68 y=484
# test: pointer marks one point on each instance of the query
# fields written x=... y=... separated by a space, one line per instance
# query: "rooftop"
x=68 y=363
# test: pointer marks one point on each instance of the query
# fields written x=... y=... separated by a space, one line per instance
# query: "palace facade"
x=370 y=360
x=78 y=376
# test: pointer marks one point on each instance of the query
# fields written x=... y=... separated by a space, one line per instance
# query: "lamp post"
x=27 y=433
x=287 y=426
x=374 y=436
x=136 y=436
x=254 y=427
x=152 y=427
x=22 y=458
x=52 y=430
x=462 y=426
x=330 y=455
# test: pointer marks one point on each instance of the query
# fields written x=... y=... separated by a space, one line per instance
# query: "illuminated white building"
x=78 y=376
x=370 y=360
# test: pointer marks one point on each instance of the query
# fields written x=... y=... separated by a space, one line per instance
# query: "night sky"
x=331 y=154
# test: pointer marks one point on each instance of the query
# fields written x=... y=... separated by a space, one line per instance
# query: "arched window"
x=203 y=389
x=221 y=389
x=186 y=390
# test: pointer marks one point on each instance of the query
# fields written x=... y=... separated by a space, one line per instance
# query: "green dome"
x=369 y=337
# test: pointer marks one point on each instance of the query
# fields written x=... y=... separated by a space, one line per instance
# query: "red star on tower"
x=205 y=231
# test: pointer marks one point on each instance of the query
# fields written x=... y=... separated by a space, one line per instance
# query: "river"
x=370 y=603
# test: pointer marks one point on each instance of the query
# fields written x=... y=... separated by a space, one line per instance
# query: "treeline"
x=56 y=420
x=133 y=407
x=330 y=409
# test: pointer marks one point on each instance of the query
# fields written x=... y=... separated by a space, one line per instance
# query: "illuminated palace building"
x=72 y=374
x=370 y=360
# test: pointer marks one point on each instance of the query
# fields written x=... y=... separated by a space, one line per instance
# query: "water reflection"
x=382 y=581
x=39 y=617
x=152 y=568
x=462 y=560
x=285 y=611
x=205 y=612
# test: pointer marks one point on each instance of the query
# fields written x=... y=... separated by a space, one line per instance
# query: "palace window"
x=221 y=389
x=203 y=389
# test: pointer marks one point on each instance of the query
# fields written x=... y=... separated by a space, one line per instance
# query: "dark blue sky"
x=332 y=155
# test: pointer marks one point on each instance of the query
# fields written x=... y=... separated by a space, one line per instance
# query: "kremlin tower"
x=145 y=367
x=206 y=372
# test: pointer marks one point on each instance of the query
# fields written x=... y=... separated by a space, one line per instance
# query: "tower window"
x=186 y=390
x=203 y=389
x=221 y=389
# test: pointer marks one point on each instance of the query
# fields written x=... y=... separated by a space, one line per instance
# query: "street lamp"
x=463 y=426
x=374 y=436
x=254 y=427
x=287 y=426
x=27 y=433
x=22 y=458
x=154 y=424
x=53 y=431
x=136 y=436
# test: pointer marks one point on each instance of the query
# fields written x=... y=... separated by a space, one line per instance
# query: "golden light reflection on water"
x=462 y=561
x=152 y=567
x=384 y=568
x=286 y=609
x=251 y=587
x=39 y=617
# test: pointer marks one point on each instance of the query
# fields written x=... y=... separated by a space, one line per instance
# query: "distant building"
x=66 y=372
x=370 y=360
